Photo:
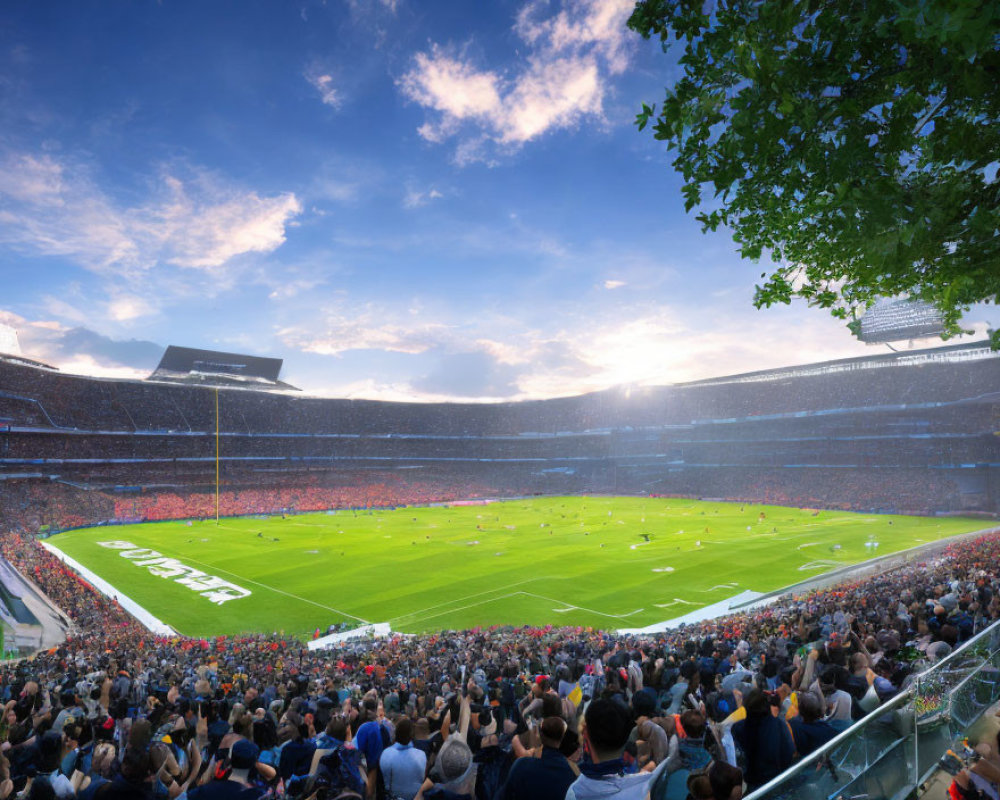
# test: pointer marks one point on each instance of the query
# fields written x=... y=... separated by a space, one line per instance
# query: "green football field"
x=608 y=562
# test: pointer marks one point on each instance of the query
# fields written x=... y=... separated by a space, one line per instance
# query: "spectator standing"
x=403 y=766
x=607 y=725
x=546 y=776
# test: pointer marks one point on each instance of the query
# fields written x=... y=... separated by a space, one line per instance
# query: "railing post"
x=904 y=702
x=916 y=737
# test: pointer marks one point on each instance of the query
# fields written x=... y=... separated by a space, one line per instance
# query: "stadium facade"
x=905 y=432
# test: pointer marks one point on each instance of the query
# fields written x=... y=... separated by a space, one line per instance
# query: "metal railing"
x=896 y=747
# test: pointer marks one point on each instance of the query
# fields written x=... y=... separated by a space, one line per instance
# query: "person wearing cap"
x=403 y=766
x=242 y=758
x=547 y=775
x=492 y=761
x=371 y=737
x=453 y=776
x=454 y=773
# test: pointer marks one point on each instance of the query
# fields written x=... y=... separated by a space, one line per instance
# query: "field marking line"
x=232 y=528
x=463 y=608
x=470 y=596
x=824 y=564
x=569 y=606
x=580 y=608
x=277 y=591
x=144 y=617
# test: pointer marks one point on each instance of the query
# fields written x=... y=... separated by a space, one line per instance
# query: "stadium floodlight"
x=8 y=341
x=897 y=318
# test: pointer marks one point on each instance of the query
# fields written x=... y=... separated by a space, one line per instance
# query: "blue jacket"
x=767 y=744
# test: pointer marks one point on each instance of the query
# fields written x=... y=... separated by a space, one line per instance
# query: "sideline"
x=720 y=609
x=748 y=600
x=141 y=614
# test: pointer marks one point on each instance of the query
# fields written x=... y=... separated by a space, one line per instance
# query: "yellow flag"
x=576 y=695
x=793 y=706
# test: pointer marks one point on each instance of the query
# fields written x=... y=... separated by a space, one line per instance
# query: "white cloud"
x=561 y=79
x=55 y=210
x=455 y=88
x=83 y=364
x=80 y=350
x=125 y=308
x=551 y=94
x=290 y=289
x=33 y=180
x=55 y=207
x=206 y=231
x=323 y=83
x=367 y=328
x=596 y=24
x=613 y=284
x=415 y=198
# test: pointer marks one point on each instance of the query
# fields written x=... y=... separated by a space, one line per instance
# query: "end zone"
x=154 y=624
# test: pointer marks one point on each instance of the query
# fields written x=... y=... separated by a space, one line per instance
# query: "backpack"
x=491 y=775
x=507 y=697
x=341 y=769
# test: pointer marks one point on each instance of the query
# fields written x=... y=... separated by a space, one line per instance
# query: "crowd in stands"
x=899 y=491
x=33 y=505
x=157 y=505
x=37 y=505
x=845 y=440
x=704 y=711
x=47 y=398
x=41 y=504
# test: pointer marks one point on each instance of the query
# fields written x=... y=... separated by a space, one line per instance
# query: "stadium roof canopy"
x=216 y=368
x=898 y=318
x=8 y=341
x=10 y=349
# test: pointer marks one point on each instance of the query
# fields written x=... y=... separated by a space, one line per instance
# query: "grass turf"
x=608 y=562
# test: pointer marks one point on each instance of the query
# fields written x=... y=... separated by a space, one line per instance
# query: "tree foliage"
x=854 y=142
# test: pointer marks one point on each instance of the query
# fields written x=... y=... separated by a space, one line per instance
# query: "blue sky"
x=399 y=198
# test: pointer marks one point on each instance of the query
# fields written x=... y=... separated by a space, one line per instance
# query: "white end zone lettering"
x=215 y=590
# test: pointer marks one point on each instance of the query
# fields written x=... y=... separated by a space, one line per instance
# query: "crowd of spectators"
x=705 y=711
x=854 y=439
x=38 y=505
x=43 y=505
x=45 y=397
x=386 y=492
x=898 y=491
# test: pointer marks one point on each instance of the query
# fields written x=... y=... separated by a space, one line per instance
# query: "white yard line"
x=568 y=606
x=675 y=601
x=463 y=608
x=581 y=608
x=153 y=623
x=243 y=578
x=469 y=597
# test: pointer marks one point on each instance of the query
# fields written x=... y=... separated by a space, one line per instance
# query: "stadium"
x=518 y=400
x=128 y=505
